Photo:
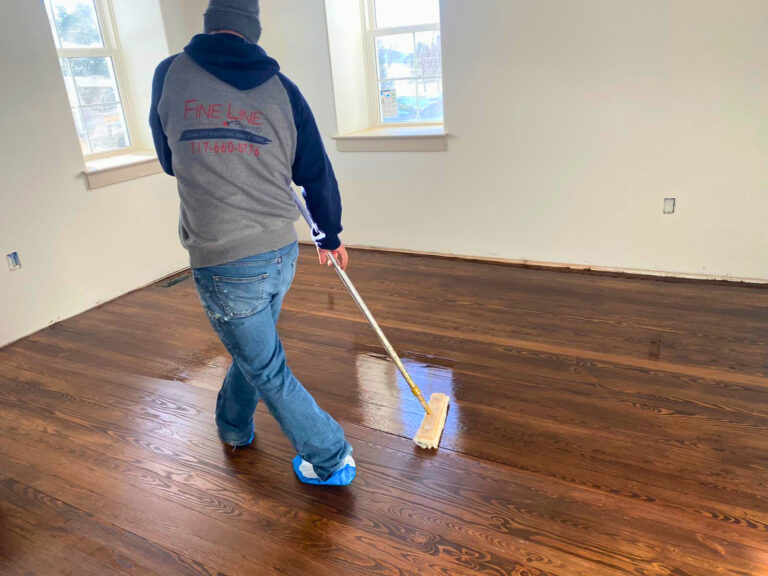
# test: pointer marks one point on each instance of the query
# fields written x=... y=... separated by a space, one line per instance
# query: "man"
x=235 y=132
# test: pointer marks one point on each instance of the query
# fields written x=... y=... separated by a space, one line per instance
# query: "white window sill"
x=394 y=139
x=121 y=168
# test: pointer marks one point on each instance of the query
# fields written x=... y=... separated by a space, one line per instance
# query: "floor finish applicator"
x=428 y=434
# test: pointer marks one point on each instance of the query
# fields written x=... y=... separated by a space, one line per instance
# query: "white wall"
x=183 y=19
x=345 y=40
x=570 y=123
x=78 y=247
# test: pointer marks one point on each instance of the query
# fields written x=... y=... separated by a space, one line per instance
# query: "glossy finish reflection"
x=378 y=377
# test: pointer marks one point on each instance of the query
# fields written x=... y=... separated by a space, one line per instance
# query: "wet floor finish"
x=598 y=425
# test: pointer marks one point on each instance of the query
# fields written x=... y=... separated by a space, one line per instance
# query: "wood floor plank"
x=613 y=312
x=112 y=419
x=335 y=546
x=599 y=425
x=29 y=526
x=114 y=548
x=721 y=514
x=430 y=496
x=37 y=552
x=676 y=453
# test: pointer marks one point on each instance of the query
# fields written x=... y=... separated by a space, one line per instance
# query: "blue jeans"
x=242 y=300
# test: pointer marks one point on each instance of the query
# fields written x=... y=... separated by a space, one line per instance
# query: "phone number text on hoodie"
x=207 y=147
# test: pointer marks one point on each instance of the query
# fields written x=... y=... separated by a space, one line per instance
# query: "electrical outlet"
x=669 y=205
x=14 y=262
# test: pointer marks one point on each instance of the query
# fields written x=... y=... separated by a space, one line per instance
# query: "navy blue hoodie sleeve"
x=158 y=134
x=312 y=169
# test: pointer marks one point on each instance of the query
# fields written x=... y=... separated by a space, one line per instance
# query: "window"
x=93 y=73
x=404 y=62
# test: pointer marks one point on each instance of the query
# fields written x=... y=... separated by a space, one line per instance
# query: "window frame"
x=371 y=32
x=111 y=49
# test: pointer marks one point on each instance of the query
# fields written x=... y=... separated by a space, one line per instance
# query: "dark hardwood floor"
x=599 y=426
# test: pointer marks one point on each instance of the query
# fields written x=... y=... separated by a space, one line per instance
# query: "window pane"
x=77 y=25
x=95 y=80
x=431 y=100
x=392 y=13
x=82 y=136
x=404 y=93
x=395 y=56
x=429 y=57
x=106 y=127
x=69 y=82
x=95 y=100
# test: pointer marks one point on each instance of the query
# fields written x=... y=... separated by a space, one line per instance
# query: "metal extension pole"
x=364 y=309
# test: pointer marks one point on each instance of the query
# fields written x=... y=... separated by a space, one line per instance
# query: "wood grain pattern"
x=598 y=426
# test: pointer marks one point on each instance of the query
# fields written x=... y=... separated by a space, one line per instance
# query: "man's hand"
x=340 y=254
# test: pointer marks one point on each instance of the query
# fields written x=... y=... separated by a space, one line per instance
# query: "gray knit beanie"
x=241 y=16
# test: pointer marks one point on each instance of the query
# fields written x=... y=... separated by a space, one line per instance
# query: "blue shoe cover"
x=342 y=477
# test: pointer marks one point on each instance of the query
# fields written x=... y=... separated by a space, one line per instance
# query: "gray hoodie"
x=235 y=132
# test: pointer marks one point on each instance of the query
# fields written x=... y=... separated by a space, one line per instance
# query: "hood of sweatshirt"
x=232 y=59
